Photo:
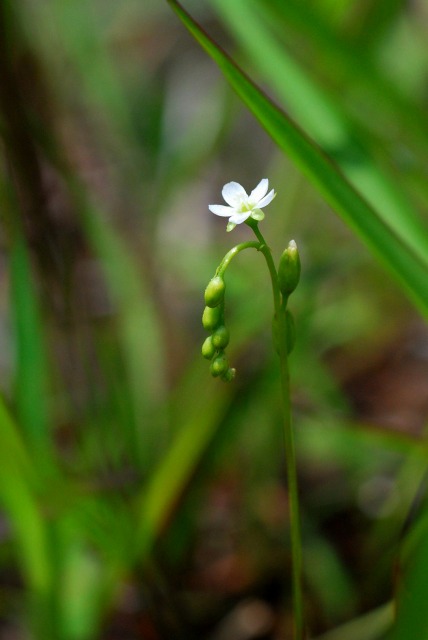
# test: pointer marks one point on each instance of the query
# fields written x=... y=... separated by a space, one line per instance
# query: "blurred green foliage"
x=141 y=498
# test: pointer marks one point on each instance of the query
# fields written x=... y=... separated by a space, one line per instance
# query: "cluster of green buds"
x=213 y=320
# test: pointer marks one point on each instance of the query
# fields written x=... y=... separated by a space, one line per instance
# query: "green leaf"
x=167 y=484
x=370 y=626
x=323 y=173
x=17 y=481
x=340 y=57
x=411 y=619
x=324 y=120
x=31 y=379
x=31 y=365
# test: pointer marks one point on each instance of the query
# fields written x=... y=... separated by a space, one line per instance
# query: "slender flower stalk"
x=290 y=454
x=247 y=208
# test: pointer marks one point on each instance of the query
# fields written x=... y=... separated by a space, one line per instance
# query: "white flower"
x=243 y=206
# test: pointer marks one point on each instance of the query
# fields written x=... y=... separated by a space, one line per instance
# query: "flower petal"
x=257 y=214
x=233 y=193
x=267 y=199
x=221 y=210
x=237 y=218
x=230 y=226
x=260 y=191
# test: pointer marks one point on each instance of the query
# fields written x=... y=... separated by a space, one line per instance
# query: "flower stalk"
x=244 y=208
x=282 y=343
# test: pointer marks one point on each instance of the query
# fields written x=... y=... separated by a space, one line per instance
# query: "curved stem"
x=234 y=252
x=290 y=455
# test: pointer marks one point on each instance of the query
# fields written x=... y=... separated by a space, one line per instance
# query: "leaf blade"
x=322 y=172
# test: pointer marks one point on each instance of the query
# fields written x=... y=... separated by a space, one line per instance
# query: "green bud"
x=229 y=375
x=289 y=269
x=219 y=365
x=212 y=317
x=214 y=293
x=220 y=337
x=208 y=349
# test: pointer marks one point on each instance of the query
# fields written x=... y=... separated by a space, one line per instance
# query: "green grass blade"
x=370 y=626
x=77 y=597
x=378 y=18
x=17 y=477
x=31 y=378
x=31 y=374
x=138 y=326
x=411 y=611
x=341 y=57
x=323 y=173
x=156 y=504
x=324 y=121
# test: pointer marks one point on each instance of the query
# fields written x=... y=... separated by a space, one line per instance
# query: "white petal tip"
x=221 y=210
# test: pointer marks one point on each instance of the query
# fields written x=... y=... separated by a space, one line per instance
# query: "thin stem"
x=271 y=266
x=290 y=455
x=234 y=252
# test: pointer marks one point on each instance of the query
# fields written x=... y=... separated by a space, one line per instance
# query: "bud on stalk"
x=289 y=269
x=214 y=293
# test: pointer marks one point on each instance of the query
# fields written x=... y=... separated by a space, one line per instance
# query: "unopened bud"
x=214 y=293
x=208 y=349
x=289 y=269
x=211 y=318
x=229 y=375
x=219 y=365
x=220 y=337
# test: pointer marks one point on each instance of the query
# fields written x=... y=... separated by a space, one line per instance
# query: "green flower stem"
x=263 y=247
x=295 y=534
x=280 y=305
x=234 y=252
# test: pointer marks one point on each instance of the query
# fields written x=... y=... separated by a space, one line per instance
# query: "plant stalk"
x=290 y=455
